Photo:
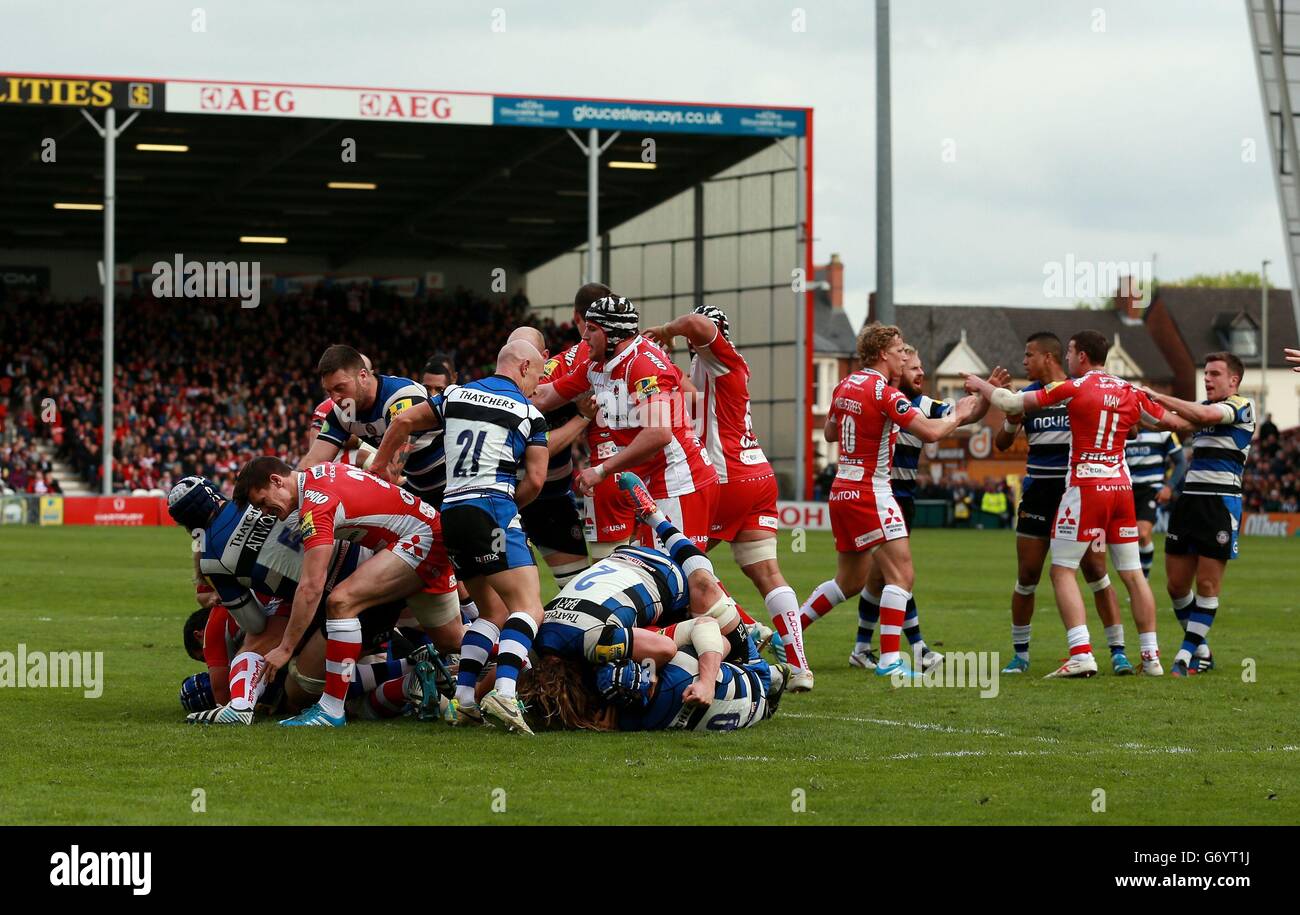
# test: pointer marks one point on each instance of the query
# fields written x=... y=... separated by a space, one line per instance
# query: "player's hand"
x=275 y=659
x=659 y=334
x=697 y=694
x=966 y=408
x=1000 y=377
x=1293 y=356
x=1164 y=495
x=586 y=481
x=207 y=598
x=586 y=405
x=977 y=385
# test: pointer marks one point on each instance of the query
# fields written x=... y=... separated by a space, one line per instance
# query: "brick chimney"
x=1129 y=300
x=835 y=276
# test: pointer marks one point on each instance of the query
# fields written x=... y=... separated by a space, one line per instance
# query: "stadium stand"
x=202 y=387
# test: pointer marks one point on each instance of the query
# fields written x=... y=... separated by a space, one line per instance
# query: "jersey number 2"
x=466 y=440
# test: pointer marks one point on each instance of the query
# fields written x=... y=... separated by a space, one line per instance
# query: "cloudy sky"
x=1025 y=131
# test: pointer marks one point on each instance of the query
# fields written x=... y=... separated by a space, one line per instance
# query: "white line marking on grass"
x=918 y=725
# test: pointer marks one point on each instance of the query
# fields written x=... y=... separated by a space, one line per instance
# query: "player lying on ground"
x=695 y=690
x=605 y=614
x=745 y=516
x=1096 y=510
x=866 y=414
x=336 y=502
x=1047 y=432
x=1206 y=519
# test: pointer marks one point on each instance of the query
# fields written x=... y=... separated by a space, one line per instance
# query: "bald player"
x=551 y=521
x=492 y=432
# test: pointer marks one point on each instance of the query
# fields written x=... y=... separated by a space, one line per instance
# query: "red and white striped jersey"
x=623 y=386
x=321 y=413
x=722 y=377
x=338 y=502
x=869 y=413
x=1102 y=410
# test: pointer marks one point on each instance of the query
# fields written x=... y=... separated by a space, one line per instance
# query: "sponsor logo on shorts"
x=487 y=557
x=864 y=539
x=1067 y=529
x=846 y=495
x=1128 y=531
x=768 y=521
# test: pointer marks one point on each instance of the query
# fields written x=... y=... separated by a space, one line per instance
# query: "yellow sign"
x=51 y=510
x=34 y=90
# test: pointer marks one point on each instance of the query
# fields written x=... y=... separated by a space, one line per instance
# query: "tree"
x=1231 y=279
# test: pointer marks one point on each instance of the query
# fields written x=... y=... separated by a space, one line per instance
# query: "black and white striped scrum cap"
x=616 y=315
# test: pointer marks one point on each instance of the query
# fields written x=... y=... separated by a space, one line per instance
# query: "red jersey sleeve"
x=1056 y=392
x=316 y=523
x=575 y=382
x=895 y=406
x=721 y=352
x=648 y=375
x=1151 y=410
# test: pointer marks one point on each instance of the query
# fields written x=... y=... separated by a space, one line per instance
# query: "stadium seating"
x=202 y=385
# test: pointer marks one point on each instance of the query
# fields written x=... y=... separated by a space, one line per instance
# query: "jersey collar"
x=611 y=365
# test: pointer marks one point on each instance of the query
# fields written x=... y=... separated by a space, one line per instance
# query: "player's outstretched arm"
x=306 y=598
x=706 y=638
x=417 y=418
x=655 y=434
x=1197 y=414
x=1293 y=357
x=536 y=460
x=932 y=430
x=320 y=451
x=999 y=378
x=696 y=328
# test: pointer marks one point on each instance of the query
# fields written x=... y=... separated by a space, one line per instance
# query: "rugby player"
x=746 y=515
x=1205 y=522
x=354 y=451
x=494 y=433
x=1156 y=466
x=1047 y=433
x=337 y=502
x=696 y=690
x=365 y=403
x=1096 y=509
x=870 y=534
x=902 y=474
x=605 y=614
x=551 y=521
x=639 y=393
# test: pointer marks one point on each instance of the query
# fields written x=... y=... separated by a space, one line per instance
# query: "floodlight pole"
x=110 y=132
x=1263 y=356
x=884 y=173
x=800 y=327
x=593 y=149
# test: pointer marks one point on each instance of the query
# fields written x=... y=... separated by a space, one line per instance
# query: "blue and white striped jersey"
x=247 y=551
x=1048 y=434
x=1149 y=455
x=1219 y=451
x=425 y=468
x=489 y=425
x=739 y=698
x=632 y=588
x=907 y=448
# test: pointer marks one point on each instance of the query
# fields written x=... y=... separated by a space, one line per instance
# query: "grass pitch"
x=1214 y=749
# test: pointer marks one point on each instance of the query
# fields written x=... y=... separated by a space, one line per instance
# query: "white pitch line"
x=1129 y=746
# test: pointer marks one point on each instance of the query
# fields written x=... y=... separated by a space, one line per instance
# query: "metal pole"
x=110 y=174
x=801 y=342
x=593 y=204
x=1288 y=135
x=884 y=173
x=1263 y=358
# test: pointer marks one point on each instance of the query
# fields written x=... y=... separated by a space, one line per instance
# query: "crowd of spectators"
x=202 y=385
x=1271 y=480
